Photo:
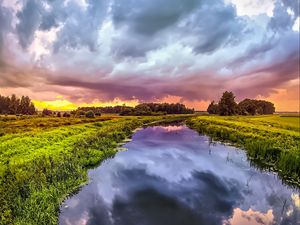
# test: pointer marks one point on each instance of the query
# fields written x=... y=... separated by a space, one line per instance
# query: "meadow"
x=272 y=141
x=43 y=159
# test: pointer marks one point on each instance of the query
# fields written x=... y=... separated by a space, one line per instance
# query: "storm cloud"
x=147 y=49
x=5 y=26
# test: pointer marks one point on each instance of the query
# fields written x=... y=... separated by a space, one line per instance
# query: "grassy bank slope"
x=271 y=140
x=16 y=124
x=42 y=165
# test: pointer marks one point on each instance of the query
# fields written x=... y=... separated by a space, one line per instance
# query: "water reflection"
x=251 y=217
x=172 y=176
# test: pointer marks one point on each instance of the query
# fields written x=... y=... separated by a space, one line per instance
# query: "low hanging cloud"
x=146 y=50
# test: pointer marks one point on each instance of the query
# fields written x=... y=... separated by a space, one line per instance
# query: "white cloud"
x=42 y=43
x=253 y=7
x=81 y=3
x=296 y=25
x=15 y=5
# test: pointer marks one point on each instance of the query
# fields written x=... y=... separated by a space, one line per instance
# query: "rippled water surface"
x=172 y=176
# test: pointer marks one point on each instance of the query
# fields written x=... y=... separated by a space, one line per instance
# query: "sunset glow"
x=116 y=52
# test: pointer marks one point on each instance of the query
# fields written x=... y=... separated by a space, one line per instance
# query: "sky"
x=69 y=53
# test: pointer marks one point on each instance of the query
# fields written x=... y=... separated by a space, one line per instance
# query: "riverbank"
x=213 y=184
x=271 y=141
x=42 y=160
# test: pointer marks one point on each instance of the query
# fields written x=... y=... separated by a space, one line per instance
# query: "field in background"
x=15 y=124
x=273 y=141
x=43 y=159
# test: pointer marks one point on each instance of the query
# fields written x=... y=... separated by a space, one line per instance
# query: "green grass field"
x=273 y=141
x=42 y=160
x=14 y=124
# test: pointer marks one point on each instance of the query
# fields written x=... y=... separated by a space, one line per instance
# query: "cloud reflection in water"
x=171 y=175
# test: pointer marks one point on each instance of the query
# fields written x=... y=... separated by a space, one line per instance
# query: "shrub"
x=66 y=114
x=90 y=114
x=47 y=112
x=79 y=113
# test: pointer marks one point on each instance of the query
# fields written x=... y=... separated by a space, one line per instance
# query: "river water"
x=171 y=175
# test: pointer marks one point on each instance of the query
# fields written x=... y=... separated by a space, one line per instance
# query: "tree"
x=142 y=110
x=46 y=112
x=248 y=107
x=4 y=105
x=90 y=114
x=227 y=104
x=80 y=113
x=66 y=114
x=266 y=107
x=253 y=107
x=13 y=105
x=126 y=112
x=25 y=105
x=213 y=108
x=31 y=109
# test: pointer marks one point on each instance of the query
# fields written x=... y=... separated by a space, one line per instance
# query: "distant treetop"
x=227 y=106
x=14 y=105
x=139 y=110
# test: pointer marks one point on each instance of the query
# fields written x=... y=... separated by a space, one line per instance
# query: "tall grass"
x=269 y=140
x=39 y=168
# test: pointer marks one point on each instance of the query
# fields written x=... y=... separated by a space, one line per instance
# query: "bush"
x=66 y=114
x=58 y=114
x=79 y=113
x=47 y=112
x=90 y=114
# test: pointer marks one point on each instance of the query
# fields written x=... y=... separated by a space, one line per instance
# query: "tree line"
x=12 y=105
x=99 y=110
x=143 y=109
x=227 y=106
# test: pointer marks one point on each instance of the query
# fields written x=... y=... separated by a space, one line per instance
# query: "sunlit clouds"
x=90 y=51
x=250 y=217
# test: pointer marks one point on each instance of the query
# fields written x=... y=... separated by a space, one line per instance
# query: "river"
x=171 y=175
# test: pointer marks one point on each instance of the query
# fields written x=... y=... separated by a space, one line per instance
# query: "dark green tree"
x=90 y=114
x=66 y=114
x=227 y=104
x=13 y=105
x=248 y=107
x=142 y=110
x=46 y=112
x=213 y=108
x=253 y=107
x=266 y=107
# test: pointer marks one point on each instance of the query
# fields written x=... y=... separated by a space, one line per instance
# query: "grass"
x=273 y=141
x=44 y=159
x=41 y=164
x=16 y=124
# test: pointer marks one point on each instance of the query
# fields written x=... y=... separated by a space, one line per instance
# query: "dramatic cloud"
x=5 y=18
x=148 y=50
